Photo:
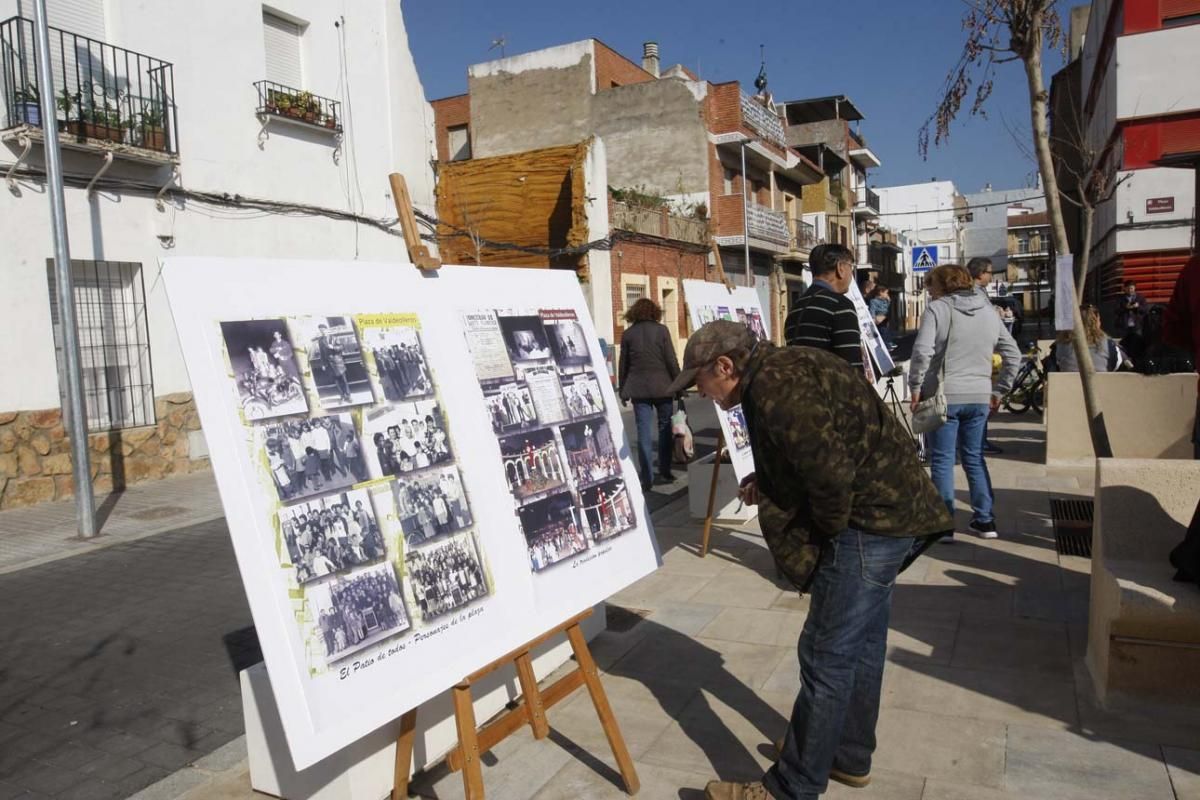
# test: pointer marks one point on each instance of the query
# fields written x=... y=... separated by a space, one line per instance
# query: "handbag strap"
x=946 y=355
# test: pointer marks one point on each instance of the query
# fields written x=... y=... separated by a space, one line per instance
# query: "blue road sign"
x=924 y=258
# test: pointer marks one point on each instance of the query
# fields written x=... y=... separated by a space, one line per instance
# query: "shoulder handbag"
x=930 y=413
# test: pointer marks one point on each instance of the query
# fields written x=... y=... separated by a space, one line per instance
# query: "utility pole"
x=75 y=416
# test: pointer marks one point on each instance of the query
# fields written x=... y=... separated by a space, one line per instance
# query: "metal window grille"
x=633 y=293
x=114 y=342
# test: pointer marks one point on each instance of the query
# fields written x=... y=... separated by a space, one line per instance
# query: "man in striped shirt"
x=824 y=317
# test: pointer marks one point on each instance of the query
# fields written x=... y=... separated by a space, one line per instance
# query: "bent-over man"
x=846 y=506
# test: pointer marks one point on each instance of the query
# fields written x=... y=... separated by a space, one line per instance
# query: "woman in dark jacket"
x=648 y=365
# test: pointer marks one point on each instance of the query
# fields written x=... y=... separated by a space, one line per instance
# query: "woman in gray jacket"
x=648 y=365
x=959 y=332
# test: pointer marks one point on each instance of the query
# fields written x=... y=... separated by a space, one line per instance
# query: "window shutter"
x=84 y=17
x=281 y=38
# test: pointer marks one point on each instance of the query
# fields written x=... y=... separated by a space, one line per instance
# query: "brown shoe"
x=727 y=790
x=835 y=774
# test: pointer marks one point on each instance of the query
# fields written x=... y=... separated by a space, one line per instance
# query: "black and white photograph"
x=608 y=509
x=524 y=338
x=401 y=370
x=546 y=390
x=510 y=408
x=446 y=576
x=264 y=368
x=312 y=456
x=406 y=437
x=552 y=530
x=358 y=610
x=335 y=361
x=737 y=428
x=567 y=341
x=331 y=534
x=431 y=504
x=532 y=463
x=582 y=395
x=590 y=451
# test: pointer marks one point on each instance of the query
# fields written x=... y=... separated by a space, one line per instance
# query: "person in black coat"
x=647 y=367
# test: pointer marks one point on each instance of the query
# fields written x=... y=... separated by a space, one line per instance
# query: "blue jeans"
x=842 y=650
x=644 y=412
x=963 y=431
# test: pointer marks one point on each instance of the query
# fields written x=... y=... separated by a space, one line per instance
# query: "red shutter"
x=1171 y=9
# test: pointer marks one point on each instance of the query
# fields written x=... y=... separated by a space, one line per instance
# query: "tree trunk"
x=1058 y=231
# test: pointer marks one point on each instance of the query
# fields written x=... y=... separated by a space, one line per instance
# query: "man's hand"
x=995 y=403
x=915 y=400
x=748 y=490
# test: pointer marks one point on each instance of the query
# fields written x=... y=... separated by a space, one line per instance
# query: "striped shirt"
x=824 y=319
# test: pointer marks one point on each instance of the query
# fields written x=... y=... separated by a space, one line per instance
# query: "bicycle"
x=1029 y=388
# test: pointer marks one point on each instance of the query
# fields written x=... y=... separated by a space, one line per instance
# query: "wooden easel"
x=533 y=704
x=712 y=494
x=531 y=710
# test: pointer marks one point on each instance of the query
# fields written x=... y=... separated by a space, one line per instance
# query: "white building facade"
x=1141 y=108
x=272 y=131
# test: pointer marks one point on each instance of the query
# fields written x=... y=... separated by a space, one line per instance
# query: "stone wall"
x=35 y=454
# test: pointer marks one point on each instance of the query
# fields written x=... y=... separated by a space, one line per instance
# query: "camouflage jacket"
x=828 y=456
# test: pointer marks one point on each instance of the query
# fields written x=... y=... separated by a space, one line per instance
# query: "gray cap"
x=706 y=345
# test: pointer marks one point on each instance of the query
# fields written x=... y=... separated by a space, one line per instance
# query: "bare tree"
x=997 y=32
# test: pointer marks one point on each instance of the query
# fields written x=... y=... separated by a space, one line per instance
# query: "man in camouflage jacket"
x=845 y=506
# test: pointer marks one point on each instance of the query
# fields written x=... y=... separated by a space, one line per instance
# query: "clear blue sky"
x=889 y=56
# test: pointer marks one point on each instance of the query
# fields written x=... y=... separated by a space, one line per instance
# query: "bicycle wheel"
x=1017 y=401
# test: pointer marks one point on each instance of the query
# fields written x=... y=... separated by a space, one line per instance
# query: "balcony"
x=658 y=222
x=867 y=203
x=297 y=107
x=109 y=99
x=764 y=121
x=804 y=235
x=768 y=225
x=860 y=154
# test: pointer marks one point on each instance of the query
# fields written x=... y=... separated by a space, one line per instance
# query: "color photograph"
x=608 y=509
x=532 y=463
x=590 y=451
x=551 y=530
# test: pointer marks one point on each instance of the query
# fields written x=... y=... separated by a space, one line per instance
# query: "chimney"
x=650 y=58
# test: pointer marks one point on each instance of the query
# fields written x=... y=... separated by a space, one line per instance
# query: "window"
x=633 y=293
x=114 y=342
x=281 y=39
x=728 y=185
x=460 y=142
x=843 y=239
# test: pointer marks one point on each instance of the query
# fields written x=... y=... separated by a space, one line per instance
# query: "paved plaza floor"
x=120 y=671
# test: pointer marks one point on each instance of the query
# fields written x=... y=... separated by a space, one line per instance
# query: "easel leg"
x=468 y=742
x=533 y=697
x=404 y=749
x=712 y=495
x=591 y=676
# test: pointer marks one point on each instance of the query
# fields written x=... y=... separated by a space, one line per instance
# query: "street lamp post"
x=76 y=414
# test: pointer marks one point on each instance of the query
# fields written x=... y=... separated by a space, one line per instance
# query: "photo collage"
x=750 y=317
x=546 y=408
x=373 y=520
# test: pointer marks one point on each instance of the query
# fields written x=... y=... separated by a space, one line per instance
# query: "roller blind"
x=281 y=38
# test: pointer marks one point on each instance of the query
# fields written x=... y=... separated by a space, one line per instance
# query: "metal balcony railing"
x=867 y=199
x=770 y=226
x=103 y=93
x=284 y=101
x=804 y=235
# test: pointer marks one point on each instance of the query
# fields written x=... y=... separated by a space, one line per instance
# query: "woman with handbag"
x=1103 y=350
x=952 y=390
x=647 y=366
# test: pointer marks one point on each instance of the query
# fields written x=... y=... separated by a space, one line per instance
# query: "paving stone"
x=225 y=757
x=1184 y=769
x=885 y=785
x=942 y=789
x=172 y=786
x=933 y=745
x=643 y=710
x=1025 y=645
x=755 y=626
x=578 y=779
x=1066 y=765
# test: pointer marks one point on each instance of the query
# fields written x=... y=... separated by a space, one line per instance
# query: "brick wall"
x=449 y=112
x=614 y=68
x=725 y=107
x=654 y=260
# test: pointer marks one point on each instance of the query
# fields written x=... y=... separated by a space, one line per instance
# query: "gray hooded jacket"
x=977 y=332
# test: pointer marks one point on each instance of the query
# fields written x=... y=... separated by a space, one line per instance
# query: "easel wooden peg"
x=418 y=252
x=712 y=494
x=530 y=709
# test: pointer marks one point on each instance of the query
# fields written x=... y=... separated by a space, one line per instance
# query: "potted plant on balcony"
x=66 y=104
x=154 y=133
x=330 y=121
x=309 y=106
x=102 y=123
x=26 y=108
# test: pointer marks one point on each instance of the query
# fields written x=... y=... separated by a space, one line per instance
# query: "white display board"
x=420 y=472
x=873 y=343
x=708 y=302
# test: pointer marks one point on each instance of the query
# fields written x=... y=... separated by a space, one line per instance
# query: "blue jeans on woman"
x=644 y=412
x=842 y=650
x=964 y=430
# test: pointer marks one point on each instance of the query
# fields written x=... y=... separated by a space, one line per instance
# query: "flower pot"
x=29 y=113
x=92 y=130
x=310 y=116
x=331 y=123
x=296 y=113
x=155 y=139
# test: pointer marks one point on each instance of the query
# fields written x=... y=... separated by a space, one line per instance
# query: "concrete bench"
x=1144 y=628
x=1148 y=416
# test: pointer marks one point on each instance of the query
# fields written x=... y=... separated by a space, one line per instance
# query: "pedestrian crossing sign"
x=924 y=258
